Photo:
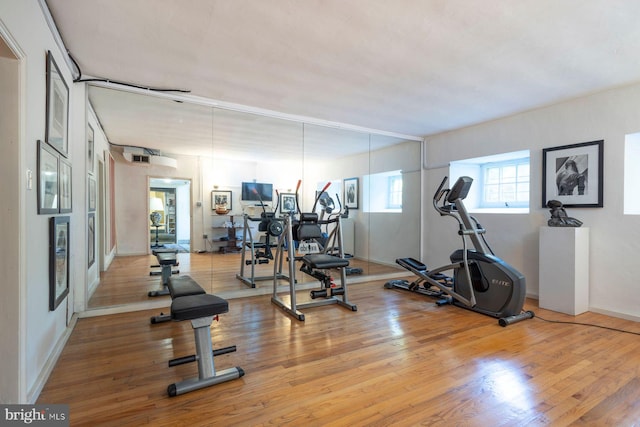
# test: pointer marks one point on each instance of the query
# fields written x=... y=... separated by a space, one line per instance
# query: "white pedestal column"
x=564 y=269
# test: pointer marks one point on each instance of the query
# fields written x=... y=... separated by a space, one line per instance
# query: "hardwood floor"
x=399 y=360
x=128 y=281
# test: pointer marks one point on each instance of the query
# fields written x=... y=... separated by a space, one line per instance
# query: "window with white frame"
x=501 y=182
x=394 y=192
x=382 y=192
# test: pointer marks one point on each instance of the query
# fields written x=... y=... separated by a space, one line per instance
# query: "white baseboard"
x=34 y=392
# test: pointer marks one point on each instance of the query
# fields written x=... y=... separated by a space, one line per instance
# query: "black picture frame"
x=351 y=192
x=91 y=239
x=221 y=199
x=57 y=108
x=58 y=260
x=287 y=203
x=48 y=179
x=573 y=174
x=92 y=191
x=65 y=189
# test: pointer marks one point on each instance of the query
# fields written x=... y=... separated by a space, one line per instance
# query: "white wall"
x=44 y=331
x=614 y=237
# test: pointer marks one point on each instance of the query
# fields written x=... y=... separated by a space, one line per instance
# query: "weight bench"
x=177 y=287
x=167 y=259
x=201 y=310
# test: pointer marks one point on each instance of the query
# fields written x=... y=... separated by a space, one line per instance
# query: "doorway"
x=170 y=214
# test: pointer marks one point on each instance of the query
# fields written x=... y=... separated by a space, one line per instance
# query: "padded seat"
x=323 y=261
x=167 y=258
x=181 y=286
x=197 y=306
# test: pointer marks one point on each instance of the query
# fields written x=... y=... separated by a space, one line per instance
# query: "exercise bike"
x=481 y=281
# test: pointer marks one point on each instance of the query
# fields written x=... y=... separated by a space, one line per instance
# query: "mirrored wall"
x=217 y=150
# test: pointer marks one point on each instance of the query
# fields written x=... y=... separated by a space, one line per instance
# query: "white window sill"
x=499 y=210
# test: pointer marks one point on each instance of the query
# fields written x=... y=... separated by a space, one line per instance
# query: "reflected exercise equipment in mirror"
x=217 y=150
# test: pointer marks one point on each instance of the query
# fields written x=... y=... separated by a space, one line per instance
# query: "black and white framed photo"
x=572 y=174
x=65 y=185
x=90 y=148
x=351 y=191
x=57 y=125
x=92 y=190
x=288 y=203
x=48 y=176
x=91 y=239
x=58 y=260
x=221 y=200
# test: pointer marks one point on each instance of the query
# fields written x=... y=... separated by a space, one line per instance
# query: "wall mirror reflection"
x=172 y=157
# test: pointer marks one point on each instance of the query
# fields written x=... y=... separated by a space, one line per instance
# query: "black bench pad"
x=197 y=306
x=324 y=261
x=165 y=258
x=182 y=286
x=164 y=251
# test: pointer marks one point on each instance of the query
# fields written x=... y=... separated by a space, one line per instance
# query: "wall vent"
x=137 y=158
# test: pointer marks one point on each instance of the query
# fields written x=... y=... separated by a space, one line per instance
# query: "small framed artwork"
x=90 y=148
x=572 y=174
x=57 y=125
x=91 y=239
x=65 y=186
x=92 y=193
x=288 y=203
x=351 y=195
x=48 y=164
x=58 y=260
x=221 y=200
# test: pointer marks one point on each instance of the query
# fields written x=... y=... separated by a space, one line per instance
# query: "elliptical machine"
x=481 y=281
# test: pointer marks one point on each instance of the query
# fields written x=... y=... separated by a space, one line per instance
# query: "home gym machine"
x=481 y=281
x=304 y=234
x=260 y=252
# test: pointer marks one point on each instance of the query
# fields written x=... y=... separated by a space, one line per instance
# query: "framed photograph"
x=57 y=125
x=351 y=195
x=92 y=193
x=48 y=164
x=58 y=260
x=65 y=186
x=287 y=203
x=221 y=200
x=91 y=239
x=572 y=174
x=90 y=148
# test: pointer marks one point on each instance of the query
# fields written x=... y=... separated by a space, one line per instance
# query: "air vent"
x=137 y=158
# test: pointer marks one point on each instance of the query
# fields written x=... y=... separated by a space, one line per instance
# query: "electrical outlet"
x=204 y=236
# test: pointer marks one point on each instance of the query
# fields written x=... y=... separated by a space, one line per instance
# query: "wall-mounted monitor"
x=250 y=191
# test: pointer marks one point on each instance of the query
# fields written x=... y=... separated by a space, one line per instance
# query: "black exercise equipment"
x=481 y=281
x=201 y=310
x=260 y=252
x=298 y=232
x=167 y=259
x=179 y=286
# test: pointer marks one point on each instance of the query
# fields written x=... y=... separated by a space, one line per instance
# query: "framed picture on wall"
x=92 y=193
x=221 y=200
x=91 y=239
x=58 y=260
x=65 y=186
x=57 y=124
x=351 y=191
x=48 y=164
x=572 y=174
x=287 y=203
x=90 y=148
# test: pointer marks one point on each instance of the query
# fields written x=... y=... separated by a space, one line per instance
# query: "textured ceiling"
x=416 y=67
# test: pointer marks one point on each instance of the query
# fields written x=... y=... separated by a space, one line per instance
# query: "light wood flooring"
x=127 y=281
x=399 y=360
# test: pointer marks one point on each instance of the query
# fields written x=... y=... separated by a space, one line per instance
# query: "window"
x=382 y=192
x=505 y=184
x=501 y=182
x=394 y=192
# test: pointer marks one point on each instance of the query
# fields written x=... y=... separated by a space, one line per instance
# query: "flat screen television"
x=249 y=192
